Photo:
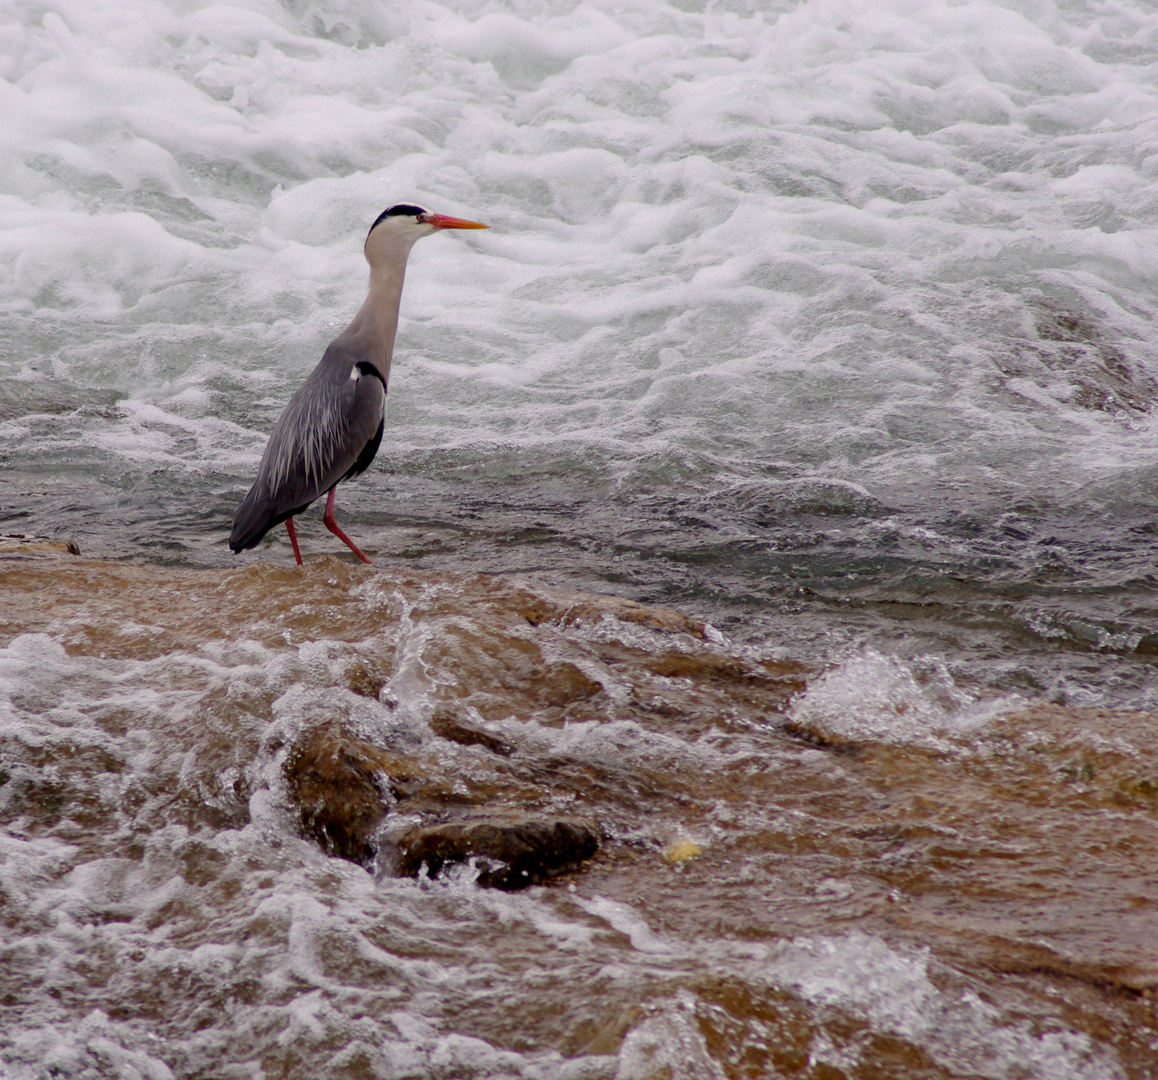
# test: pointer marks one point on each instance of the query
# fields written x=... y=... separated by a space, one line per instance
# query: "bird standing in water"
x=332 y=427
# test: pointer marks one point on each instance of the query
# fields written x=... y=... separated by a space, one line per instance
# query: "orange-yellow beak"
x=441 y=221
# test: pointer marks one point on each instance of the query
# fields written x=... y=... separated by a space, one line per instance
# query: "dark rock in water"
x=366 y=679
x=446 y=725
x=513 y=854
x=343 y=787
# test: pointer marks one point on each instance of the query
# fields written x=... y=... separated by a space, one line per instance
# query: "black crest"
x=401 y=210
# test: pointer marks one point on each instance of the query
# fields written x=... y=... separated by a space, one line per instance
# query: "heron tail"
x=250 y=523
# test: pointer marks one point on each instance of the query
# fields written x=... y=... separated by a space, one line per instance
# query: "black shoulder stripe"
x=366 y=368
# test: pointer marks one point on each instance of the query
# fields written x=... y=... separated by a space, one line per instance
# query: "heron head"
x=398 y=227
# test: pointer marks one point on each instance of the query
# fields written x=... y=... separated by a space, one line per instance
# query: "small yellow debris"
x=681 y=851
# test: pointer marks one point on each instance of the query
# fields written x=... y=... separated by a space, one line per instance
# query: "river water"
x=828 y=324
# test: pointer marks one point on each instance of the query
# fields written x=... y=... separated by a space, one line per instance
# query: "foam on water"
x=878 y=698
x=959 y=1031
x=854 y=212
x=142 y=912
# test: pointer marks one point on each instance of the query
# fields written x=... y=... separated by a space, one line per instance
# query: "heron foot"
x=332 y=525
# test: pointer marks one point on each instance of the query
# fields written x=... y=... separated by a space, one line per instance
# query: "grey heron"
x=332 y=426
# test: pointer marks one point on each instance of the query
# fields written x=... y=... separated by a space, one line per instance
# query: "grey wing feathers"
x=319 y=437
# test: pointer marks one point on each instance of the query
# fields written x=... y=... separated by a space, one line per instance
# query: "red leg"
x=332 y=525
x=289 y=524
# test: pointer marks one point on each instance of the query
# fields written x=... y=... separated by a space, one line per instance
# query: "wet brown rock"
x=1026 y=958
x=20 y=545
x=567 y=609
x=655 y=618
x=342 y=786
x=446 y=725
x=561 y=684
x=777 y=681
x=514 y=853
x=366 y=679
x=510 y=675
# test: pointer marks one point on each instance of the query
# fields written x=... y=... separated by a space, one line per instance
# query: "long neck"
x=371 y=334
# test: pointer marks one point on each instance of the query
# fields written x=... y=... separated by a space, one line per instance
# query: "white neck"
x=371 y=333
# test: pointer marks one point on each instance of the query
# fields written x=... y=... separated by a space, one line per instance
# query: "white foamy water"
x=959 y=1031
x=862 y=241
x=873 y=697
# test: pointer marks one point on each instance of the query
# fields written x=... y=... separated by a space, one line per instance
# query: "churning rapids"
x=766 y=529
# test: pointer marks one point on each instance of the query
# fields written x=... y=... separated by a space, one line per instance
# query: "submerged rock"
x=343 y=787
x=550 y=605
x=366 y=679
x=512 y=853
x=446 y=725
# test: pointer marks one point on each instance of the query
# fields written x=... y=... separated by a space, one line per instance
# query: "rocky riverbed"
x=338 y=820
